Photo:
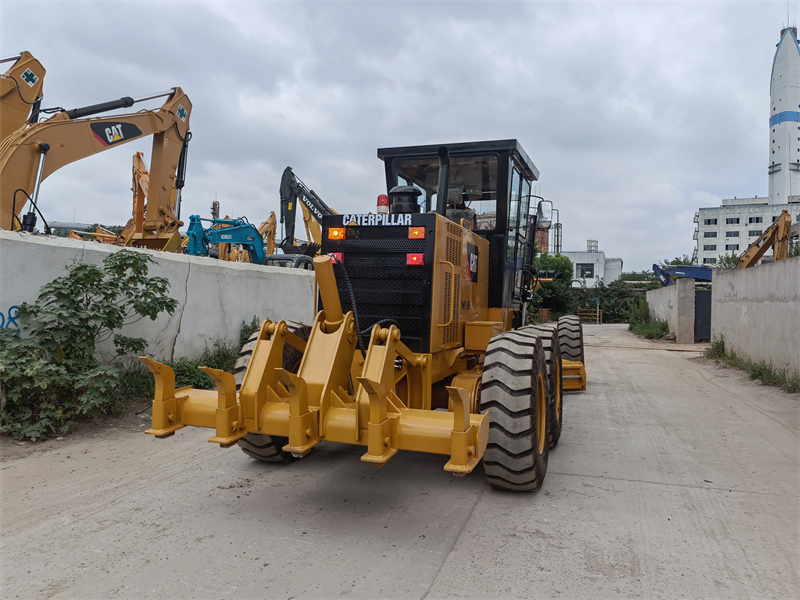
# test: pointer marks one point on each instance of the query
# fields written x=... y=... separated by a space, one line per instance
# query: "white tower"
x=784 y=121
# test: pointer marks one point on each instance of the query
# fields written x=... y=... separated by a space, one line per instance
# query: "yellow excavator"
x=30 y=154
x=775 y=236
x=419 y=343
x=20 y=92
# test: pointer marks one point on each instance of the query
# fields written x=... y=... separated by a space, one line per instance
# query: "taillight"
x=336 y=233
x=383 y=204
x=416 y=233
x=335 y=255
x=415 y=259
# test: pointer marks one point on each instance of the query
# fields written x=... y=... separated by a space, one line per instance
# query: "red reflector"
x=336 y=233
x=416 y=233
x=336 y=255
x=415 y=259
x=383 y=200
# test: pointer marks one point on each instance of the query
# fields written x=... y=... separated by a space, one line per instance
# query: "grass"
x=758 y=371
x=654 y=330
x=137 y=383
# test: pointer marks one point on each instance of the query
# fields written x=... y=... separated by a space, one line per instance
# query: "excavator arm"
x=314 y=209
x=20 y=92
x=30 y=155
x=776 y=235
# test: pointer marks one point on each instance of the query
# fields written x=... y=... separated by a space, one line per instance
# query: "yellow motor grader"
x=419 y=341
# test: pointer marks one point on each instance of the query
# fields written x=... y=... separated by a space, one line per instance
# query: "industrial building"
x=738 y=222
x=592 y=266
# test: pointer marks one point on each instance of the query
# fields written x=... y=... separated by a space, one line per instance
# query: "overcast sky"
x=636 y=114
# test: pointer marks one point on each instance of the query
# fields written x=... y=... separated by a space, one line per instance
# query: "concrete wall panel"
x=757 y=311
x=213 y=296
x=675 y=305
x=663 y=304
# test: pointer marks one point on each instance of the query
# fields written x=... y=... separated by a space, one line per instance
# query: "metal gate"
x=702 y=314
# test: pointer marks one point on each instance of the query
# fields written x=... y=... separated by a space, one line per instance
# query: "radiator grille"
x=383 y=285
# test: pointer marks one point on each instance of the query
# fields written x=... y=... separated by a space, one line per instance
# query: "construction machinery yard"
x=673 y=478
x=417 y=353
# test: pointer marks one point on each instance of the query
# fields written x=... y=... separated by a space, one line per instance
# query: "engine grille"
x=383 y=285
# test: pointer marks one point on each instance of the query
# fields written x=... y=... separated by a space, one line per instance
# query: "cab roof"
x=512 y=147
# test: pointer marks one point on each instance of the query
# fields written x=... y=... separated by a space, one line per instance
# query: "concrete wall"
x=213 y=296
x=675 y=305
x=757 y=311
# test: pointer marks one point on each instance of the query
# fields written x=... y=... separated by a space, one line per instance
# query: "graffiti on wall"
x=8 y=320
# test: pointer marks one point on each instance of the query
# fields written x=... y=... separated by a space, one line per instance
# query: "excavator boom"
x=20 y=92
x=314 y=209
x=776 y=235
x=29 y=156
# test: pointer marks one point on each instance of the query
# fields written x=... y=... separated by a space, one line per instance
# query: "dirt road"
x=673 y=479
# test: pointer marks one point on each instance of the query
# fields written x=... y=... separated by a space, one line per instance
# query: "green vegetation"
x=641 y=322
x=557 y=295
x=136 y=382
x=727 y=261
x=53 y=373
x=759 y=371
x=678 y=260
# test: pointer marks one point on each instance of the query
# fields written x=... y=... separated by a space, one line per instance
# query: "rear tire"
x=570 y=337
x=555 y=384
x=513 y=393
x=262 y=447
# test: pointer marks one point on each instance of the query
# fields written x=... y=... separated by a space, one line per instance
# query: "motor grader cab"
x=414 y=345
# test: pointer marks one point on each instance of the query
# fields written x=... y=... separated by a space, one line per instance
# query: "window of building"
x=731 y=234
x=732 y=221
x=731 y=246
x=709 y=221
x=708 y=247
x=584 y=270
x=774 y=219
x=756 y=220
x=754 y=232
x=709 y=261
x=709 y=234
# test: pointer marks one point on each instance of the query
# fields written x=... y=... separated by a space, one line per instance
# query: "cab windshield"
x=472 y=184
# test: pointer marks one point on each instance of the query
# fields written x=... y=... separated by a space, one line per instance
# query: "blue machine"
x=664 y=274
x=238 y=232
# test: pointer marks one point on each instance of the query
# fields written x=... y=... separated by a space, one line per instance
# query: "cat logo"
x=472 y=253
x=114 y=133
x=109 y=134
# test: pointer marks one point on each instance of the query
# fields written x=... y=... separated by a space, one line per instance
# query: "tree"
x=679 y=260
x=53 y=372
x=556 y=295
x=727 y=261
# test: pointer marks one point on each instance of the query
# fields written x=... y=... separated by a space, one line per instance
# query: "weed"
x=654 y=330
x=758 y=371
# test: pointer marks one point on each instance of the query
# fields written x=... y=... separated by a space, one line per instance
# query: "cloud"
x=635 y=114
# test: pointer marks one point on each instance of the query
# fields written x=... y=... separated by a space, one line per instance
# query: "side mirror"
x=544 y=214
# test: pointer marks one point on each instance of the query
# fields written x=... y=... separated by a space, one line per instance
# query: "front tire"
x=267 y=448
x=513 y=393
x=570 y=337
x=555 y=383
